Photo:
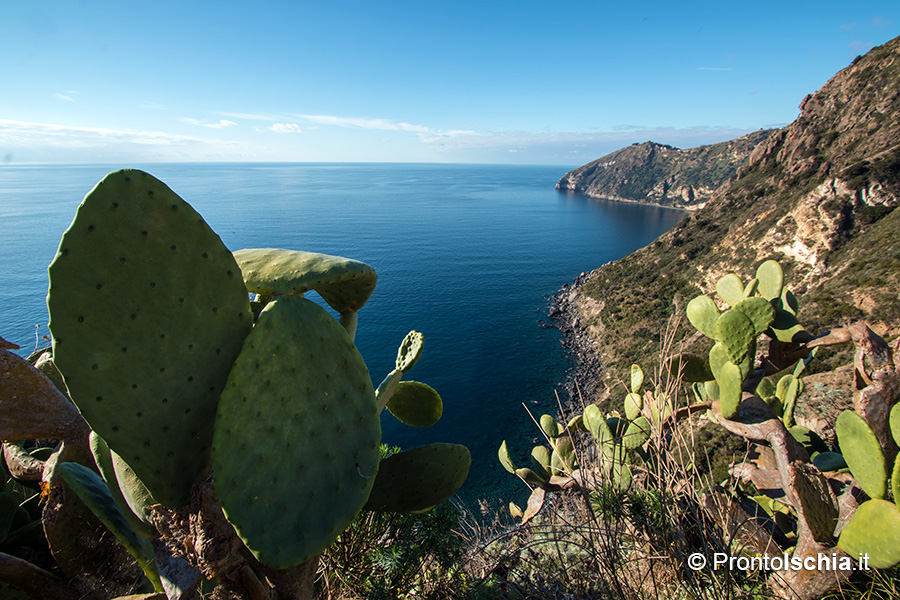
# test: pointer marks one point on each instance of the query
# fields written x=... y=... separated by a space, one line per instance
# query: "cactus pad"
x=147 y=312
x=505 y=460
x=549 y=426
x=730 y=289
x=343 y=283
x=410 y=350
x=736 y=332
x=703 y=313
x=874 y=530
x=637 y=433
x=416 y=404
x=637 y=378
x=730 y=392
x=759 y=311
x=419 y=478
x=297 y=434
x=771 y=279
x=895 y=423
x=93 y=491
x=691 y=368
x=863 y=453
x=633 y=405
x=540 y=461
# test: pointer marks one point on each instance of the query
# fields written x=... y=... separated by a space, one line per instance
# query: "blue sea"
x=467 y=254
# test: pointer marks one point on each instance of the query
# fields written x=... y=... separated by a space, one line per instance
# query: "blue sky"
x=528 y=82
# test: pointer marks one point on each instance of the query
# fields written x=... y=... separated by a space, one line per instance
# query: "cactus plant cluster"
x=874 y=528
x=181 y=378
x=799 y=481
x=618 y=441
x=762 y=306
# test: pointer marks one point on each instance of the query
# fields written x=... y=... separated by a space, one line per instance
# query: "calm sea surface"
x=467 y=254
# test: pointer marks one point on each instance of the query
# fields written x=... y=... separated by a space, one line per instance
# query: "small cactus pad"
x=637 y=378
x=690 y=367
x=147 y=312
x=829 y=461
x=540 y=461
x=771 y=279
x=104 y=459
x=730 y=382
x=874 y=530
x=343 y=283
x=737 y=333
x=730 y=289
x=410 y=350
x=703 y=313
x=92 y=490
x=863 y=453
x=297 y=434
x=596 y=423
x=505 y=460
x=759 y=310
x=895 y=424
x=633 y=405
x=549 y=426
x=563 y=460
x=637 y=433
x=419 y=478
x=416 y=404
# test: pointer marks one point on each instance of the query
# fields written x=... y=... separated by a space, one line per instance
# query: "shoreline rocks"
x=588 y=369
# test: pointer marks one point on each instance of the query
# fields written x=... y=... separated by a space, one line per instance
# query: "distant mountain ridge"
x=662 y=174
x=819 y=196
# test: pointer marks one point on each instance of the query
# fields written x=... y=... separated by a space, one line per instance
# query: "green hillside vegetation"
x=818 y=196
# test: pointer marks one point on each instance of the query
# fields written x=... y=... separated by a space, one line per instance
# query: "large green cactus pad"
x=147 y=311
x=863 y=453
x=297 y=434
x=343 y=283
x=419 y=478
x=730 y=289
x=874 y=530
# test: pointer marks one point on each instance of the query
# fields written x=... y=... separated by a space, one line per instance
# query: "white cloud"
x=364 y=123
x=153 y=105
x=52 y=142
x=285 y=128
x=220 y=125
x=247 y=116
x=65 y=97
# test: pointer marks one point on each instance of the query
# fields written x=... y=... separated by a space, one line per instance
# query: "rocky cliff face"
x=819 y=196
x=660 y=174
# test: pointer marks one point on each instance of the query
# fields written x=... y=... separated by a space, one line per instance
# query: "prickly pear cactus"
x=419 y=478
x=147 y=312
x=297 y=434
x=863 y=453
x=343 y=283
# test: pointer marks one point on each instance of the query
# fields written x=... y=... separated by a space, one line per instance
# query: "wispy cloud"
x=222 y=124
x=284 y=128
x=363 y=123
x=67 y=97
x=247 y=116
x=151 y=105
x=882 y=22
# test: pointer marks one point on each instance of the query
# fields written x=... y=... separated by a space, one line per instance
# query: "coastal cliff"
x=819 y=196
x=660 y=174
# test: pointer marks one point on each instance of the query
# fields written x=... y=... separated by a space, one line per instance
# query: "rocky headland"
x=818 y=196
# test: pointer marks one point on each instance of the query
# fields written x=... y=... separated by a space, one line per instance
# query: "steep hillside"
x=661 y=174
x=818 y=196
